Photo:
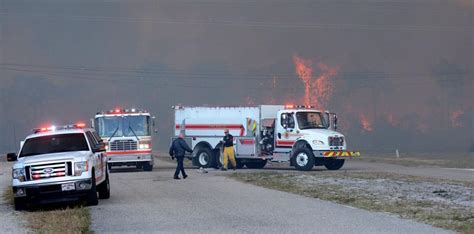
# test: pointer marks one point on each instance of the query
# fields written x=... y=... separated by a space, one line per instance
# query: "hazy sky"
x=406 y=66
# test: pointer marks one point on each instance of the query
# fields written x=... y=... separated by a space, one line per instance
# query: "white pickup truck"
x=58 y=164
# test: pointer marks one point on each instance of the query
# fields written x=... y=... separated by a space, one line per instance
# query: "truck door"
x=99 y=158
x=286 y=133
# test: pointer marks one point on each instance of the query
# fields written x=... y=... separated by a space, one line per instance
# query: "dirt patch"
x=442 y=203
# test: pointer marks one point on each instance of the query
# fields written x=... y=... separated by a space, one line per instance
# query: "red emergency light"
x=53 y=128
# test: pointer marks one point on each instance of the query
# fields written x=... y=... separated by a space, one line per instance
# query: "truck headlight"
x=80 y=167
x=19 y=173
x=316 y=142
x=144 y=146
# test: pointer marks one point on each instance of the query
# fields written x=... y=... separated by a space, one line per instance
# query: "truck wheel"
x=147 y=166
x=240 y=165
x=334 y=164
x=303 y=159
x=257 y=164
x=20 y=203
x=104 y=188
x=204 y=157
x=92 y=199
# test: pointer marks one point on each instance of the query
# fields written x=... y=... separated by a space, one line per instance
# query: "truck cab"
x=128 y=136
x=60 y=163
x=309 y=138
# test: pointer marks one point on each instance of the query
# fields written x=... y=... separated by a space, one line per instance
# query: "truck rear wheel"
x=334 y=164
x=104 y=188
x=240 y=165
x=256 y=164
x=20 y=203
x=92 y=199
x=204 y=157
x=303 y=159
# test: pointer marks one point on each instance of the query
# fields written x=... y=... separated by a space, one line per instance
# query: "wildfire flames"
x=455 y=118
x=318 y=89
x=366 y=124
x=392 y=120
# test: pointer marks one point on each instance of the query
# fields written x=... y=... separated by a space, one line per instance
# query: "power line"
x=234 y=23
x=213 y=74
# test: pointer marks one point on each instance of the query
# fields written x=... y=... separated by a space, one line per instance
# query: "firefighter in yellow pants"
x=228 y=150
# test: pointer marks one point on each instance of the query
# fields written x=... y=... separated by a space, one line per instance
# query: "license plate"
x=68 y=187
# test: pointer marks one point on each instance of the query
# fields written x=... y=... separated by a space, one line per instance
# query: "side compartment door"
x=246 y=147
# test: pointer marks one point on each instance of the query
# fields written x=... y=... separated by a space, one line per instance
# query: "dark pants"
x=179 y=167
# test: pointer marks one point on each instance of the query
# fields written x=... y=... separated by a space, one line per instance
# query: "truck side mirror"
x=284 y=120
x=11 y=157
x=335 y=122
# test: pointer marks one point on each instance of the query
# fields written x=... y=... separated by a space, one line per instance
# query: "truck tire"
x=303 y=159
x=147 y=166
x=205 y=157
x=240 y=165
x=334 y=164
x=104 y=188
x=20 y=203
x=92 y=199
x=256 y=164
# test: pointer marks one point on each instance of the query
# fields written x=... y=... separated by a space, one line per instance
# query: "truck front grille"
x=121 y=145
x=48 y=170
x=336 y=141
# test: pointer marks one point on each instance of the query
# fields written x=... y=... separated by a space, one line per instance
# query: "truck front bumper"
x=336 y=154
x=125 y=158
x=54 y=192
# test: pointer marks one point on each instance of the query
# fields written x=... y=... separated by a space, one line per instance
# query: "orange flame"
x=455 y=118
x=366 y=124
x=319 y=89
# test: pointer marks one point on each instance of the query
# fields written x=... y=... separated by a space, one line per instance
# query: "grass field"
x=441 y=203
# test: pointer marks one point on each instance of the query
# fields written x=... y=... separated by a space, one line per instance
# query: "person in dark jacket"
x=178 y=149
x=228 y=142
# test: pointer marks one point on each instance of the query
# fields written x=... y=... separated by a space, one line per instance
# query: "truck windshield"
x=54 y=144
x=310 y=120
x=119 y=126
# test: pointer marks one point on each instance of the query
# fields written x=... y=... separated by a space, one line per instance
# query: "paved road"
x=9 y=219
x=154 y=202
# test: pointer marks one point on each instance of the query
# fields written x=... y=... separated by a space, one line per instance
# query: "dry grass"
x=8 y=195
x=68 y=220
x=461 y=160
x=56 y=219
x=452 y=217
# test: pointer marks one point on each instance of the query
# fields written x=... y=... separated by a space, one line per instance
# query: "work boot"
x=185 y=176
x=176 y=178
x=223 y=169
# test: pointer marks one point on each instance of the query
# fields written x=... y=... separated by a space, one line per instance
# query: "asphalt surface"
x=10 y=220
x=154 y=202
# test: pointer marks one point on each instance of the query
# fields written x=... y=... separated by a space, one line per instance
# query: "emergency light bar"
x=298 y=107
x=122 y=111
x=54 y=128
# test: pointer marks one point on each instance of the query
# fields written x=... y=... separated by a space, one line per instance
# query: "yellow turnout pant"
x=229 y=154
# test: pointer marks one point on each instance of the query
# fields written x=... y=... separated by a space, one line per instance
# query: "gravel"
x=10 y=220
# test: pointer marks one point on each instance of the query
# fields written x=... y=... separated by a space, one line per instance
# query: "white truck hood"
x=321 y=133
x=63 y=156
